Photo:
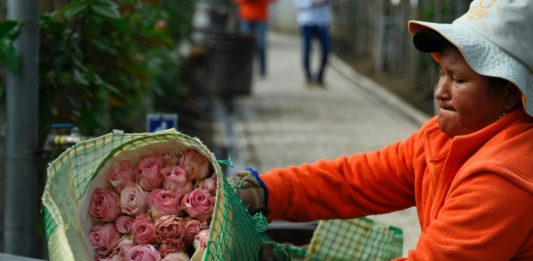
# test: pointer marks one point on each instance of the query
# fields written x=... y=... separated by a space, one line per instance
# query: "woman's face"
x=466 y=102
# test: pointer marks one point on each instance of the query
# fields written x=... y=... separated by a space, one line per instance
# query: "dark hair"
x=430 y=41
x=496 y=84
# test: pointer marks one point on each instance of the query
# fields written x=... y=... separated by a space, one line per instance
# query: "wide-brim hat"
x=494 y=37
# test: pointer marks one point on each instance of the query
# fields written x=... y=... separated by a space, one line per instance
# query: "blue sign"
x=161 y=121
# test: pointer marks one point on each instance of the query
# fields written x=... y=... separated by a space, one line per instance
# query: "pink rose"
x=142 y=230
x=176 y=180
x=199 y=204
x=148 y=172
x=121 y=175
x=169 y=228
x=104 y=205
x=176 y=257
x=196 y=165
x=200 y=240
x=172 y=247
x=104 y=238
x=143 y=253
x=133 y=200
x=210 y=184
x=123 y=224
x=124 y=244
x=163 y=202
x=192 y=227
x=169 y=158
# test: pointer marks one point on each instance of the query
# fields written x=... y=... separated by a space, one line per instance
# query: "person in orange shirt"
x=253 y=16
x=468 y=170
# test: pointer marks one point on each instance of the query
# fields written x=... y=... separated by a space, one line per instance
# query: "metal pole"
x=21 y=199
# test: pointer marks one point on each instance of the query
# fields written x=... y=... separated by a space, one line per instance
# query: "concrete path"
x=286 y=123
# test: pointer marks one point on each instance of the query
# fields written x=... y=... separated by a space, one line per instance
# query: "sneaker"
x=312 y=84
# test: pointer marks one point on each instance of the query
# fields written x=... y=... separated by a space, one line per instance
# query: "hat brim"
x=481 y=54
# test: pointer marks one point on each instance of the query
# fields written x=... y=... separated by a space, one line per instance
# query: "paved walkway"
x=285 y=123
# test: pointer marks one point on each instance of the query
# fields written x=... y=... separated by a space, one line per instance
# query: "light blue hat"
x=495 y=38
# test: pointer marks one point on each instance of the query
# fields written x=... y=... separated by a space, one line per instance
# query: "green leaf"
x=122 y=27
x=75 y=8
x=106 y=8
x=79 y=77
x=9 y=29
x=98 y=81
x=9 y=57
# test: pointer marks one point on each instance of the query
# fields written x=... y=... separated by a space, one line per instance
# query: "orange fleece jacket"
x=253 y=10
x=473 y=193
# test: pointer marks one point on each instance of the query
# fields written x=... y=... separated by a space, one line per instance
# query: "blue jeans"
x=259 y=29
x=321 y=33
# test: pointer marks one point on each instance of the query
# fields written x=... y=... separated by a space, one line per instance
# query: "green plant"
x=101 y=58
x=8 y=55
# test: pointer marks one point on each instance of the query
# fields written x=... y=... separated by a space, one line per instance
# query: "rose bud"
x=172 y=247
x=196 y=165
x=143 y=253
x=148 y=172
x=133 y=200
x=124 y=244
x=169 y=228
x=121 y=175
x=199 y=204
x=142 y=230
x=210 y=184
x=104 y=238
x=175 y=179
x=163 y=202
x=123 y=224
x=192 y=227
x=169 y=158
x=200 y=240
x=104 y=205
x=176 y=257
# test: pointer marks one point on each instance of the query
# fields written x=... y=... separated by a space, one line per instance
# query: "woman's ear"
x=513 y=97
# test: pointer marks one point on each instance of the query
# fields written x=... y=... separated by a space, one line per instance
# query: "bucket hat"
x=494 y=36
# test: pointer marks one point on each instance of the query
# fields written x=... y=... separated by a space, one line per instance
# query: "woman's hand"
x=250 y=190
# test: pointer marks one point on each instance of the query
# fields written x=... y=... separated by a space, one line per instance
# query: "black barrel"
x=230 y=57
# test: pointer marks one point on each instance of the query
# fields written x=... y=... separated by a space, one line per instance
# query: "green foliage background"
x=103 y=60
x=104 y=63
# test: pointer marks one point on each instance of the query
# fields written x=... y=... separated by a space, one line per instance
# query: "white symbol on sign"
x=159 y=122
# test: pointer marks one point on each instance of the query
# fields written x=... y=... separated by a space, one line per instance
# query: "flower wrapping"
x=74 y=176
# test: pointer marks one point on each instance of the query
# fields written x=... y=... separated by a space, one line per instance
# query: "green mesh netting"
x=234 y=234
x=355 y=239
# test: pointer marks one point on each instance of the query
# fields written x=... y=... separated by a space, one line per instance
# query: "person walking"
x=253 y=18
x=314 y=19
x=468 y=170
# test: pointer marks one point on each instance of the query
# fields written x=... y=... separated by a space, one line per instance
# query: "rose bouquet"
x=152 y=204
x=144 y=196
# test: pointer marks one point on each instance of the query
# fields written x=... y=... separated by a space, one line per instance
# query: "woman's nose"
x=443 y=91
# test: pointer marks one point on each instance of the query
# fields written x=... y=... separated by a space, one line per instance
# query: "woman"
x=468 y=170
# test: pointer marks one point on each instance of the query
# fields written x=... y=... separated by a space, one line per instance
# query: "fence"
x=374 y=33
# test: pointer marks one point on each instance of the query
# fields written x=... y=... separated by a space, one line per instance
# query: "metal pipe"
x=21 y=207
